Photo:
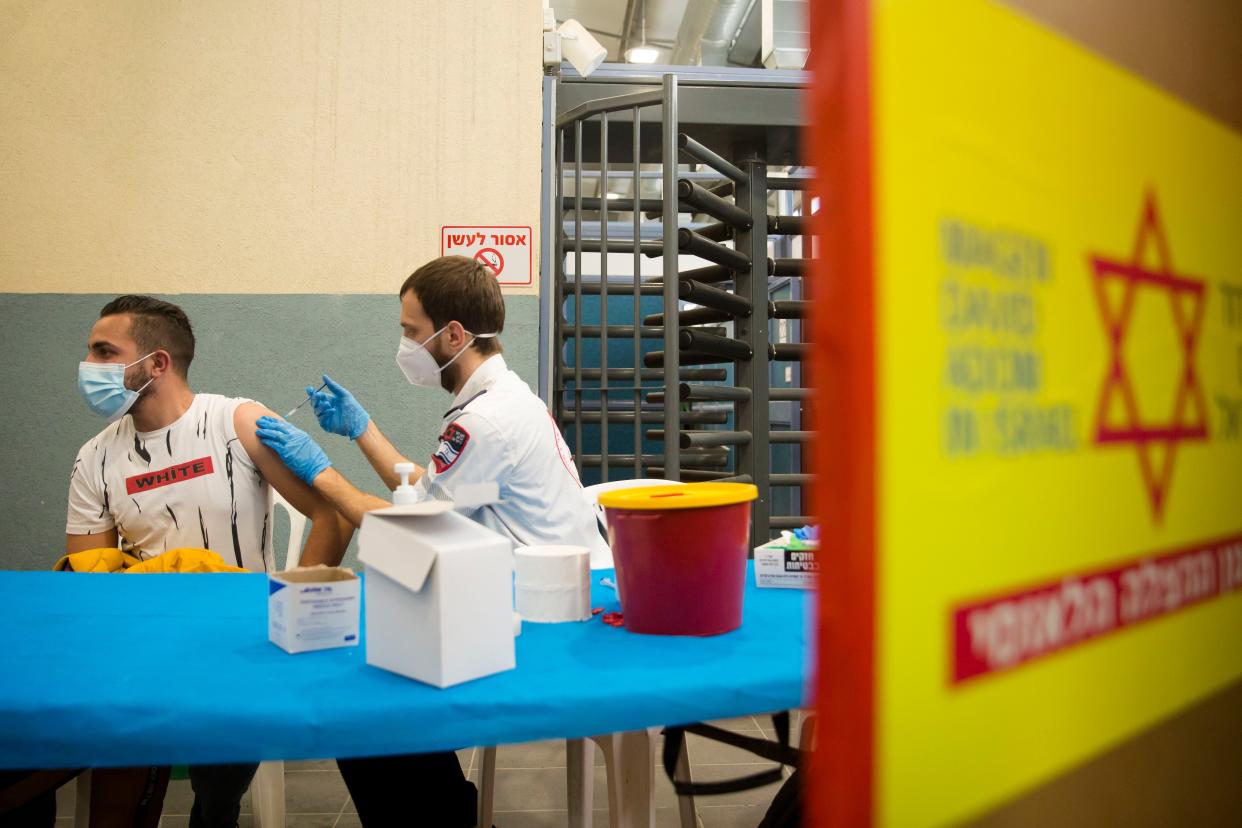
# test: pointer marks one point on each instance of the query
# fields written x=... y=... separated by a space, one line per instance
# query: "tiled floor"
x=530 y=788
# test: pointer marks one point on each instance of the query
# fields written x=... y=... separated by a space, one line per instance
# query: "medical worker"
x=495 y=430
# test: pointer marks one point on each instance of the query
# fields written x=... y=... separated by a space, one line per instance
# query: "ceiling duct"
x=745 y=51
x=709 y=29
x=785 y=32
x=627 y=26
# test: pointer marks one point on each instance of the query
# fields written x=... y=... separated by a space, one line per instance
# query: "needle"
x=305 y=401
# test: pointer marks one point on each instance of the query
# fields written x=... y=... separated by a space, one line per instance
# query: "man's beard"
x=141 y=380
x=448 y=377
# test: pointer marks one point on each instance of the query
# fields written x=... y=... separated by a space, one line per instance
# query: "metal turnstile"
x=666 y=370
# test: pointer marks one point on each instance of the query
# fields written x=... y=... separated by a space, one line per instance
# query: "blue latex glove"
x=295 y=447
x=338 y=411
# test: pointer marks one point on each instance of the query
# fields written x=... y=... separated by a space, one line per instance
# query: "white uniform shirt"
x=499 y=431
x=190 y=483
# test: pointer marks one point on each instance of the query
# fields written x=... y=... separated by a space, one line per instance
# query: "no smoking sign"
x=492 y=260
x=505 y=250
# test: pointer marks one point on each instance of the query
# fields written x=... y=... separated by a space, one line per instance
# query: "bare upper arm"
x=299 y=495
x=99 y=540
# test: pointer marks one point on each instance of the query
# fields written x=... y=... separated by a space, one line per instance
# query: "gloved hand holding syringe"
x=338 y=413
x=337 y=409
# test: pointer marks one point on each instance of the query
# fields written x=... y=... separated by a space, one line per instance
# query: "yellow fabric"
x=174 y=560
x=689 y=496
x=95 y=560
x=186 y=560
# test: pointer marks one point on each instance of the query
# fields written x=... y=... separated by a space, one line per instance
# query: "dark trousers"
x=120 y=797
x=425 y=789
x=218 y=790
x=28 y=798
x=37 y=812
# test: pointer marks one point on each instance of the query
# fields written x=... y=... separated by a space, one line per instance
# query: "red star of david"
x=1182 y=290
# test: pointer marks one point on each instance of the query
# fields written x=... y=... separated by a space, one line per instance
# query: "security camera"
x=575 y=43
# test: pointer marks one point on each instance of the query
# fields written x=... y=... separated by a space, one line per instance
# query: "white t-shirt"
x=499 y=431
x=190 y=483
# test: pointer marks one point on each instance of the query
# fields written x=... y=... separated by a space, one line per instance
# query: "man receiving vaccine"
x=171 y=469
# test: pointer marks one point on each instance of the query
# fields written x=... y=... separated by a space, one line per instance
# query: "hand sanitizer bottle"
x=404 y=494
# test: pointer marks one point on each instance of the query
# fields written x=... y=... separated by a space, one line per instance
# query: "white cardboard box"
x=778 y=566
x=439 y=594
x=313 y=608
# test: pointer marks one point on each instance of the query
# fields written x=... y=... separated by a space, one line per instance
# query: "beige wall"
x=284 y=146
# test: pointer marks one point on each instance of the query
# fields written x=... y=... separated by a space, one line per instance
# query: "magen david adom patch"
x=452 y=444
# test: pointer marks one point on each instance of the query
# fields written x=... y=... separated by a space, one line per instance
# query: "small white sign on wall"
x=505 y=250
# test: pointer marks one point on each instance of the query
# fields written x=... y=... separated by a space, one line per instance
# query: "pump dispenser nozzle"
x=404 y=494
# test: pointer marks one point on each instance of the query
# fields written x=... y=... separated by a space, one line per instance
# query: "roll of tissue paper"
x=552 y=583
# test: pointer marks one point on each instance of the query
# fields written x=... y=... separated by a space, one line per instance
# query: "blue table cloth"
x=103 y=670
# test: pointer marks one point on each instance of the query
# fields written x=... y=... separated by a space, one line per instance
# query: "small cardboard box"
x=780 y=563
x=439 y=594
x=313 y=608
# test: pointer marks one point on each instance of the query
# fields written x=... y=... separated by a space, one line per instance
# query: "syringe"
x=305 y=401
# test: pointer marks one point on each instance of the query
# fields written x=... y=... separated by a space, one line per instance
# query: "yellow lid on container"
x=688 y=496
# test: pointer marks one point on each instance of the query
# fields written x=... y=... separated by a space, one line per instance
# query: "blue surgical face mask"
x=103 y=387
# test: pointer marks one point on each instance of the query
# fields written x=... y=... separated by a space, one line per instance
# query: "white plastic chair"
x=82 y=803
x=612 y=486
x=297 y=526
x=629 y=758
x=268 y=788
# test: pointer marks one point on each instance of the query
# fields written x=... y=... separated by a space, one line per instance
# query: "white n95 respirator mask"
x=419 y=366
x=102 y=385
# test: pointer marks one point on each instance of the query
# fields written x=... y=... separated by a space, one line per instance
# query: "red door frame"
x=842 y=789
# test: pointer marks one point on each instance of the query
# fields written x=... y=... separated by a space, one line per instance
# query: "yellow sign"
x=1059 y=391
